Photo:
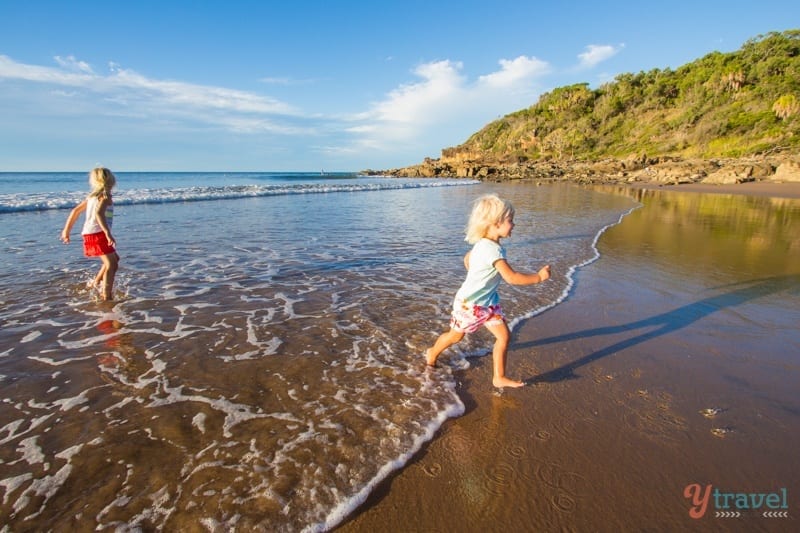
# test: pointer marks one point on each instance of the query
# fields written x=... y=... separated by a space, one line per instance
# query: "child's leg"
x=445 y=340
x=110 y=263
x=98 y=279
x=502 y=337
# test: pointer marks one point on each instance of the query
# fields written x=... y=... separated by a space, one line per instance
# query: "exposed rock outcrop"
x=788 y=170
x=663 y=170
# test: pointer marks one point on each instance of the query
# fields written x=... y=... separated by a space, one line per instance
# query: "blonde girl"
x=97 y=238
x=477 y=303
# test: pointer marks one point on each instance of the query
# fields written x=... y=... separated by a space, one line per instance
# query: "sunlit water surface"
x=262 y=365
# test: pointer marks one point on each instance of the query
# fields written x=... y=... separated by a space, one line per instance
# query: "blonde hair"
x=486 y=211
x=102 y=181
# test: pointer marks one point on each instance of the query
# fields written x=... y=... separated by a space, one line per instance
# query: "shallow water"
x=262 y=364
x=674 y=362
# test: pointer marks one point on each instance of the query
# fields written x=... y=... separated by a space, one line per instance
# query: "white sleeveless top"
x=91 y=225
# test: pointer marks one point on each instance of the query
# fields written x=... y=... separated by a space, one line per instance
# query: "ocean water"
x=261 y=367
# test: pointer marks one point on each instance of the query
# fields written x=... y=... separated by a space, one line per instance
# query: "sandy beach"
x=751 y=188
x=673 y=364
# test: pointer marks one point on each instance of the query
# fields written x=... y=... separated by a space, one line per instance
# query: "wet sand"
x=752 y=188
x=657 y=373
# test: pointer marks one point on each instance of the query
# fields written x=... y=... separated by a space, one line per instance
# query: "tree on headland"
x=786 y=106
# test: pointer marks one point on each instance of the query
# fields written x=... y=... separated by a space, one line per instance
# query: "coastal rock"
x=673 y=172
x=730 y=175
x=657 y=170
x=788 y=170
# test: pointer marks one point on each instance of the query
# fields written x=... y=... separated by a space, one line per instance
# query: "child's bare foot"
x=428 y=360
x=506 y=382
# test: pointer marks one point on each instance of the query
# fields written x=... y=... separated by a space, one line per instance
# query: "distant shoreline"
x=765 y=175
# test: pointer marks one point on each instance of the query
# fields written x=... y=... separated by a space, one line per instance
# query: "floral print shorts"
x=468 y=317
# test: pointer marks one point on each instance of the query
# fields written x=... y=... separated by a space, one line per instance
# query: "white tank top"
x=91 y=225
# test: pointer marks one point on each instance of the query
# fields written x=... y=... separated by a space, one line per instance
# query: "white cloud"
x=515 y=71
x=444 y=104
x=417 y=103
x=276 y=81
x=261 y=125
x=285 y=80
x=124 y=87
x=597 y=53
x=197 y=96
x=10 y=69
x=70 y=63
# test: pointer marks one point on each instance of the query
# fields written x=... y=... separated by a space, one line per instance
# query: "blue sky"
x=311 y=85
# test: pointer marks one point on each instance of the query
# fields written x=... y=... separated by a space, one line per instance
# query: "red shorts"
x=96 y=244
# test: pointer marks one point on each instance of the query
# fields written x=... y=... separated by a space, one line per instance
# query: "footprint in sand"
x=433 y=470
x=498 y=478
x=721 y=432
x=711 y=412
x=563 y=502
x=515 y=451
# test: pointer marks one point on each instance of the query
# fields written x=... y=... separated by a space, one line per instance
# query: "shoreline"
x=650 y=377
x=751 y=188
x=773 y=174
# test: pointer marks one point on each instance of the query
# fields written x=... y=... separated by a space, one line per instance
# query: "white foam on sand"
x=347 y=505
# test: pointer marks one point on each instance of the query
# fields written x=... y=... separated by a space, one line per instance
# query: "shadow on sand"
x=661 y=324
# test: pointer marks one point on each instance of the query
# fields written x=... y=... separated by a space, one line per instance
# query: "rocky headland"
x=721 y=120
x=640 y=169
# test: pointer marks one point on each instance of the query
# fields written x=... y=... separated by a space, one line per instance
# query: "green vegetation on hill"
x=722 y=105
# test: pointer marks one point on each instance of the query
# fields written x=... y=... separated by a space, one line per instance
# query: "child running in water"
x=97 y=239
x=477 y=303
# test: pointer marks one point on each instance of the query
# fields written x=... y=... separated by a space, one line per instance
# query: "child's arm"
x=102 y=222
x=466 y=259
x=73 y=216
x=512 y=277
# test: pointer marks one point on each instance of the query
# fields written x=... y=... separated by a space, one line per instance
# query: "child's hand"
x=65 y=237
x=544 y=273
